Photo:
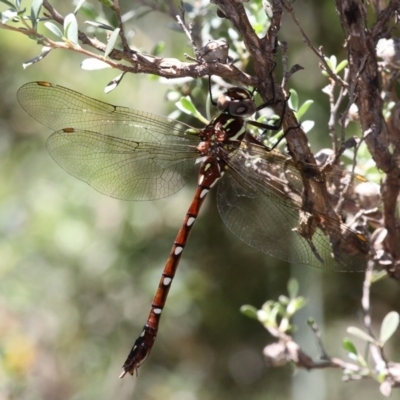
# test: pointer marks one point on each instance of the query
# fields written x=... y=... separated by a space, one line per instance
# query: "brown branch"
x=363 y=68
x=259 y=50
x=117 y=11
x=287 y=350
x=169 y=68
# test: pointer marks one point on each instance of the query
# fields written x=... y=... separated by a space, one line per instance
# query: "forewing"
x=124 y=153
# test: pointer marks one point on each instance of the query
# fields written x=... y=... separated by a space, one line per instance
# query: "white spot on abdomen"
x=167 y=281
x=203 y=193
x=178 y=250
x=190 y=221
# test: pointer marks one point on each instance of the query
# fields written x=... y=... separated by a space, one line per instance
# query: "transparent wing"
x=123 y=153
x=260 y=200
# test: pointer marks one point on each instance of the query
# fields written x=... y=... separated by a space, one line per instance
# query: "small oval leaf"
x=46 y=50
x=107 y=3
x=158 y=49
x=93 y=64
x=343 y=64
x=79 y=5
x=389 y=325
x=114 y=83
x=304 y=108
x=360 y=334
x=100 y=25
x=310 y=321
x=332 y=62
x=71 y=28
x=263 y=316
x=249 y=311
x=299 y=303
x=307 y=125
x=349 y=346
x=293 y=99
x=186 y=105
x=291 y=307
x=54 y=29
x=111 y=42
x=7 y=15
x=283 y=300
x=35 y=10
x=293 y=288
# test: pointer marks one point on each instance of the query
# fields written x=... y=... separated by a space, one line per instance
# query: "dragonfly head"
x=237 y=102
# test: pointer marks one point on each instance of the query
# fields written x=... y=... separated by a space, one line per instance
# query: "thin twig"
x=319 y=53
x=117 y=12
x=189 y=35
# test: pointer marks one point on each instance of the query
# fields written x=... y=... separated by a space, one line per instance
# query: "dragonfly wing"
x=57 y=108
x=265 y=223
x=121 y=168
x=260 y=201
x=123 y=153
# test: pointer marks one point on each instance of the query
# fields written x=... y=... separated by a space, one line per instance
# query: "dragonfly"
x=133 y=155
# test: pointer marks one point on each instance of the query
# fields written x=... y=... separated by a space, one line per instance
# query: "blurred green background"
x=78 y=270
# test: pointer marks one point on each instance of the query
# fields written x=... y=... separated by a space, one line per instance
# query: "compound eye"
x=241 y=108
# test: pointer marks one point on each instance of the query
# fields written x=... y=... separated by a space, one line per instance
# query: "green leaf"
x=158 y=49
x=111 y=42
x=107 y=3
x=249 y=311
x=35 y=10
x=343 y=64
x=93 y=64
x=389 y=326
x=349 y=346
x=293 y=288
x=360 y=334
x=267 y=308
x=283 y=300
x=273 y=316
x=88 y=11
x=332 y=62
x=114 y=83
x=304 y=108
x=280 y=308
x=71 y=28
x=306 y=126
x=54 y=29
x=45 y=50
x=299 y=302
x=284 y=326
x=5 y=16
x=79 y=5
x=291 y=307
x=186 y=105
x=263 y=316
x=293 y=99
x=100 y=25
